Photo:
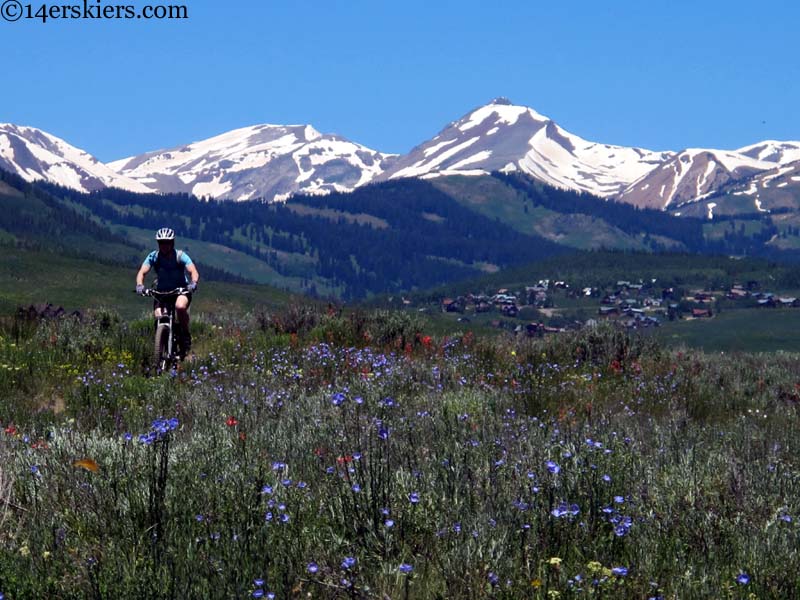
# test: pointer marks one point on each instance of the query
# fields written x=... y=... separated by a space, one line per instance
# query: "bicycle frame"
x=165 y=321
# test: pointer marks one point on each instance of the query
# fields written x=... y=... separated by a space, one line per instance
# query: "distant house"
x=767 y=302
x=606 y=311
x=483 y=307
x=450 y=305
x=788 y=302
x=701 y=313
x=737 y=293
x=534 y=329
x=654 y=302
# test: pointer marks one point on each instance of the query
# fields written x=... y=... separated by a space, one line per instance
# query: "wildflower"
x=348 y=562
x=405 y=568
x=743 y=579
x=553 y=467
x=284 y=518
x=594 y=567
x=619 y=571
x=607 y=478
x=88 y=464
x=337 y=399
x=312 y=567
x=619 y=499
x=231 y=421
x=555 y=562
x=493 y=578
x=389 y=523
x=564 y=510
x=356 y=488
x=258 y=593
x=267 y=489
x=258 y=582
x=413 y=497
x=383 y=433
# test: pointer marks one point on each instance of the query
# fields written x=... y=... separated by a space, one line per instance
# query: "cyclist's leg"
x=182 y=312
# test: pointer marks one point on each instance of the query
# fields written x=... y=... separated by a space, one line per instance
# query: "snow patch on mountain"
x=36 y=155
x=507 y=137
x=261 y=161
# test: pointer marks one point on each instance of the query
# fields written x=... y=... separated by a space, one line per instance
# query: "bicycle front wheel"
x=161 y=348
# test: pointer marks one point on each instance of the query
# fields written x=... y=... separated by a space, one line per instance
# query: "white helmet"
x=165 y=234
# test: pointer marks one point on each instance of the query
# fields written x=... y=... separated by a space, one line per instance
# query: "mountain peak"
x=502 y=101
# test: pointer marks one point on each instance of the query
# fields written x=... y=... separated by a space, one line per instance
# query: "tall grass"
x=321 y=455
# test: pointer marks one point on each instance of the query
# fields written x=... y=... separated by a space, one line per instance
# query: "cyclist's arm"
x=144 y=270
x=193 y=272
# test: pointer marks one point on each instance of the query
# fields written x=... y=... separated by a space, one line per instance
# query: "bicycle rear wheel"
x=161 y=348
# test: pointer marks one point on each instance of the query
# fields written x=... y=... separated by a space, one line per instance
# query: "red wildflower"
x=11 y=430
x=231 y=422
x=344 y=459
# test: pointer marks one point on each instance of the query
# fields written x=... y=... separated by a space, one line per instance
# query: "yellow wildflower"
x=555 y=561
x=594 y=567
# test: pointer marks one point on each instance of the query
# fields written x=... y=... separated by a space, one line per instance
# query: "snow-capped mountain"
x=262 y=161
x=36 y=155
x=276 y=161
x=772 y=151
x=504 y=136
x=689 y=176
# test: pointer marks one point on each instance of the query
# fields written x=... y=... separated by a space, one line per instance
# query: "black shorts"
x=168 y=303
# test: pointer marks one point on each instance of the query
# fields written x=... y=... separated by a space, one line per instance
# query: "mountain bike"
x=166 y=342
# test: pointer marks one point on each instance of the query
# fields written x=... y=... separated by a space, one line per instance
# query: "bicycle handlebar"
x=176 y=292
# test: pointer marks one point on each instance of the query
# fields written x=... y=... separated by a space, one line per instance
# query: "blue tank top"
x=170 y=269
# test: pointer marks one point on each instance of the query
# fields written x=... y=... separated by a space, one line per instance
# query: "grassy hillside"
x=494 y=199
x=30 y=276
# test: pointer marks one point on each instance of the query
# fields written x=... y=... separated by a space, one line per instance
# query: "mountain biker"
x=174 y=269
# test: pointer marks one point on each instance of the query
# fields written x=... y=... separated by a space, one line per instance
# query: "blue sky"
x=655 y=74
